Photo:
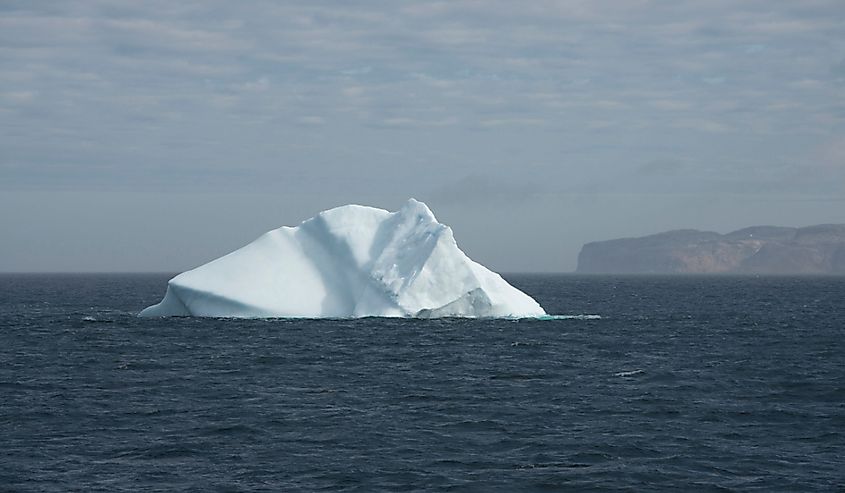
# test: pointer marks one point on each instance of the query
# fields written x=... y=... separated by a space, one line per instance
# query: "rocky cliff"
x=755 y=250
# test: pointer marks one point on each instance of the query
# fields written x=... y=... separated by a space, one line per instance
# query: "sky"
x=158 y=135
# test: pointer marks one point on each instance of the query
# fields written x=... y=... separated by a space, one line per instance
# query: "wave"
x=569 y=317
x=629 y=373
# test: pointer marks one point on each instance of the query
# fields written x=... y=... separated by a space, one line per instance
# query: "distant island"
x=756 y=250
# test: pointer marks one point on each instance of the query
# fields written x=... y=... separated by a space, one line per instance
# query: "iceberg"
x=350 y=261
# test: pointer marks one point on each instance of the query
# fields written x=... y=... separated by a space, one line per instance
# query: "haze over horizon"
x=156 y=136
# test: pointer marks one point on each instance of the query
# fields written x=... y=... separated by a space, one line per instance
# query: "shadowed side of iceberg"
x=476 y=302
x=204 y=302
x=170 y=305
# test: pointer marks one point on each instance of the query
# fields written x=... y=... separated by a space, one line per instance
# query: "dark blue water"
x=683 y=384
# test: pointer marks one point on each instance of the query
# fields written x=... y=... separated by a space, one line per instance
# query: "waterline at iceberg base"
x=350 y=261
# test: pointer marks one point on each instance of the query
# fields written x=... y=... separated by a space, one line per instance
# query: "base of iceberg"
x=351 y=261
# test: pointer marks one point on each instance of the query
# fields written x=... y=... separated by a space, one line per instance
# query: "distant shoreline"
x=757 y=250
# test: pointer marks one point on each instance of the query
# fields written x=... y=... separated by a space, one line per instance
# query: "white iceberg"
x=351 y=261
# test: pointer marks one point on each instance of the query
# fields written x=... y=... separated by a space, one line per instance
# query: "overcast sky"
x=157 y=135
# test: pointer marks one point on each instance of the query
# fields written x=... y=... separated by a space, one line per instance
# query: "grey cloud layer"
x=414 y=97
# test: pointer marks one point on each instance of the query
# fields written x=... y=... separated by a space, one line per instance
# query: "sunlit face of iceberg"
x=351 y=261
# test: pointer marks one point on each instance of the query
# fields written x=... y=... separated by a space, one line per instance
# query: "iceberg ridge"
x=350 y=261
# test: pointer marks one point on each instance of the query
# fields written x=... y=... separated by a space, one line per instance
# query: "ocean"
x=645 y=384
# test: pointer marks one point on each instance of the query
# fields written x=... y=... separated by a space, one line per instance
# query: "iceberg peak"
x=349 y=261
x=418 y=209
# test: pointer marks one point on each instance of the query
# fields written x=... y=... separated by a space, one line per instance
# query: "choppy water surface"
x=710 y=384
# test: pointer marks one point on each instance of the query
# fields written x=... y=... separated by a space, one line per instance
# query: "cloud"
x=480 y=189
x=671 y=104
x=662 y=166
x=312 y=120
x=520 y=122
x=412 y=123
x=838 y=70
x=476 y=102
x=18 y=97
x=831 y=154
x=616 y=78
